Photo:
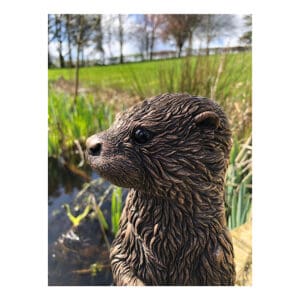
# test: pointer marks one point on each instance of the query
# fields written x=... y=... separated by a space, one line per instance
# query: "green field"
x=168 y=75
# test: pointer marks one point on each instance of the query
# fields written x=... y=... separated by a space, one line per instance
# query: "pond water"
x=72 y=251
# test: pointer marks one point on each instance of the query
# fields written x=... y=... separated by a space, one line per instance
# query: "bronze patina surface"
x=172 y=152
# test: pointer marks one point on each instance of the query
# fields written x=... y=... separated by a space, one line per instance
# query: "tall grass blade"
x=116 y=207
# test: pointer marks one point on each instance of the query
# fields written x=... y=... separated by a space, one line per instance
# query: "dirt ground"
x=119 y=100
x=242 y=244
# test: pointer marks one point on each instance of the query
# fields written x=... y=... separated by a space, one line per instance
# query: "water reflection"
x=72 y=251
x=60 y=177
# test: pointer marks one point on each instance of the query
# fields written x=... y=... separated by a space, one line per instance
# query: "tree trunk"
x=121 y=55
x=59 y=38
x=152 y=41
x=61 y=57
x=179 y=50
x=78 y=41
x=190 y=47
x=82 y=57
x=49 y=56
x=49 y=60
x=69 y=40
x=77 y=74
x=108 y=41
x=121 y=38
x=99 y=39
x=207 y=50
x=207 y=43
x=147 y=50
x=208 y=34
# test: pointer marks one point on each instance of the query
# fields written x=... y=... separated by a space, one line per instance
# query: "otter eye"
x=141 y=135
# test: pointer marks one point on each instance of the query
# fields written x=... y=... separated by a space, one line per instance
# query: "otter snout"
x=93 y=145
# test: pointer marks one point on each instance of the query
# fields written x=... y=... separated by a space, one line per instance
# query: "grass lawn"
x=150 y=78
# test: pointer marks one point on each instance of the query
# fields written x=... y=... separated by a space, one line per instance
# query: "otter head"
x=172 y=142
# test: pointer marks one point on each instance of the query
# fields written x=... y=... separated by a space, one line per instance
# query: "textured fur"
x=172 y=229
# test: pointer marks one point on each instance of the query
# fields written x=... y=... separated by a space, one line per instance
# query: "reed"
x=238 y=191
x=116 y=208
x=68 y=123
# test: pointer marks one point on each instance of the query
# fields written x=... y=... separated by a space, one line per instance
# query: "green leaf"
x=116 y=207
x=234 y=151
x=246 y=209
x=233 y=211
x=101 y=218
x=239 y=204
x=76 y=220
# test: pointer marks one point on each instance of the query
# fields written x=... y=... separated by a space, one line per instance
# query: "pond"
x=76 y=255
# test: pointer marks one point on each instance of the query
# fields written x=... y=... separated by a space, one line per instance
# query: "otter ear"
x=207 y=119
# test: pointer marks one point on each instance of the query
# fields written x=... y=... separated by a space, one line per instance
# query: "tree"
x=79 y=40
x=141 y=35
x=69 y=20
x=88 y=28
x=213 y=26
x=51 y=37
x=121 y=36
x=181 y=28
x=59 y=37
x=154 y=22
x=98 y=37
x=246 y=38
x=174 y=29
x=108 y=21
x=84 y=25
x=192 y=22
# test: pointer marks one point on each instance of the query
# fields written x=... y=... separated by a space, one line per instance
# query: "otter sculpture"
x=172 y=152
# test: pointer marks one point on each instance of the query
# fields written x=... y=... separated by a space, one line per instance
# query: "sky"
x=130 y=46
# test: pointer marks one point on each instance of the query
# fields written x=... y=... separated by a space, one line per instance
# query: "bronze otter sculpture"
x=172 y=152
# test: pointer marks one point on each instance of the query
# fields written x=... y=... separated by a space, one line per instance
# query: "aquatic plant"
x=69 y=125
x=75 y=220
x=116 y=208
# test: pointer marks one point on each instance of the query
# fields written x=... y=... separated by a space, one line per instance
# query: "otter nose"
x=93 y=146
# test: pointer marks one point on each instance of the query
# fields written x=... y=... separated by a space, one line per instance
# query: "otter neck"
x=193 y=210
